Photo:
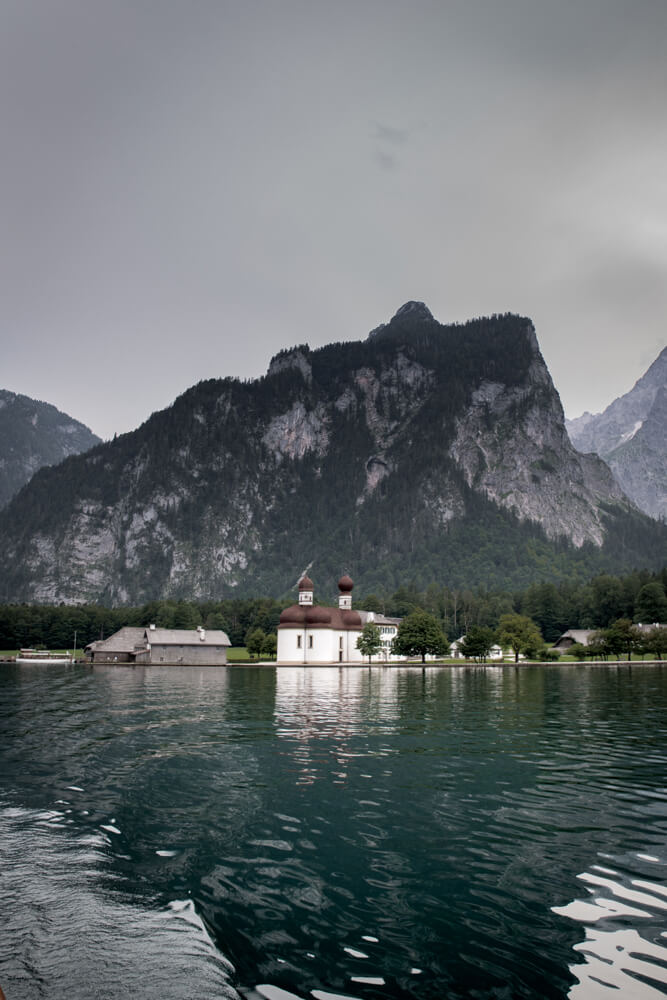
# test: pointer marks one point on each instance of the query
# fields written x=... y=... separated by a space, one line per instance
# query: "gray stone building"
x=162 y=645
x=118 y=648
x=180 y=645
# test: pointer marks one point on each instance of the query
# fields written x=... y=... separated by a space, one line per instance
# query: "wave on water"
x=268 y=992
x=66 y=931
x=620 y=961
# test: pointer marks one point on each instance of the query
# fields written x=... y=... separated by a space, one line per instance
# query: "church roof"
x=318 y=616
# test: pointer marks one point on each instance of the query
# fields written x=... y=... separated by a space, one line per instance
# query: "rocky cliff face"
x=425 y=452
x=528 y=465
x=631 y=436
x=34 y=434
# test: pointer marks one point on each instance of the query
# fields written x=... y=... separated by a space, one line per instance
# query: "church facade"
x=314 y=634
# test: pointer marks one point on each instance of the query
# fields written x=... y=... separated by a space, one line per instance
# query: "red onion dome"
x=318 y=616
x=345 y=585
x=305 y=583
x=351 y=618
x=293 y=615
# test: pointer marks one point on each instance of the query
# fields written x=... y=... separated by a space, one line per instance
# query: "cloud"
x=187 y=191
x=387 y=140
x=390 y=134
x=386 y=160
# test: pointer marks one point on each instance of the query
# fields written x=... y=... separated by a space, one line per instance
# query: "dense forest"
x=640 y=596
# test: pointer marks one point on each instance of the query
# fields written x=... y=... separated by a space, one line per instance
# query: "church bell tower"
x=305 y=592
x=345 y=587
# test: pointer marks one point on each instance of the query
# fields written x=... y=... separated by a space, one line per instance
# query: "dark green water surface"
x=200 y=832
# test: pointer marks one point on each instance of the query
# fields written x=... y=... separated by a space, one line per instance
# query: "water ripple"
x=389 y=833
x=60 y=928
x=629 y=959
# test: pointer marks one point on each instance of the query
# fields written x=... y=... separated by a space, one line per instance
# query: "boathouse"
x=152 y=645
x=118 y=648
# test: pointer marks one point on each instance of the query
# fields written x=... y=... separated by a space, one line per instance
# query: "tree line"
x=640 y=596
x=420 y=634
x=623 y=638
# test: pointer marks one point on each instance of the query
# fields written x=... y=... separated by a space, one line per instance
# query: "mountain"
x=631 y=436
x=33 y=434
x=423 y=453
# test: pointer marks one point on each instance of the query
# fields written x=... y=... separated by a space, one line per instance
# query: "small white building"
x=388 y=631
x=312 y=634
x=495 y=653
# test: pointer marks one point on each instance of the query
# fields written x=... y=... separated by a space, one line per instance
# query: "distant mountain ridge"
x=34 y=434
x=631 y=436
x=425 y=453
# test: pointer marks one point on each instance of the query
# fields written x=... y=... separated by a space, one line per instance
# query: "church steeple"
x=345 y=587
x=305 y=592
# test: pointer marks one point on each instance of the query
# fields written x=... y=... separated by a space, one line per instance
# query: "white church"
x=313 y=634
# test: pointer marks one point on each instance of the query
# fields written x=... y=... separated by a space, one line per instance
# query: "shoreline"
x=395 y=665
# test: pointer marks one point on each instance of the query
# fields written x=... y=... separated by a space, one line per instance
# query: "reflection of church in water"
x=310 y=633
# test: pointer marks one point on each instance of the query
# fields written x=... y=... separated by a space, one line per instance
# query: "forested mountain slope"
x=425 y=452
x=33 y=434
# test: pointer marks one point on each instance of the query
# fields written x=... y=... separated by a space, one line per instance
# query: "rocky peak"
x=603 y=432
x=414 y=311
x=34 y=434
x=410 y=315
x=295 y=357
x=639 y=463
x=437 y=452
x=630 y=436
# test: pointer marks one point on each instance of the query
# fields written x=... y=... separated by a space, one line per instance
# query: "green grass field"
x=239 y=654
x=236 y=653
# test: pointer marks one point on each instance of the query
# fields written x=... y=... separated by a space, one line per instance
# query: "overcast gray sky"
x=188 y=187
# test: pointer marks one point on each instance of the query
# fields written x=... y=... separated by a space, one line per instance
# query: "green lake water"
x=322 y=832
